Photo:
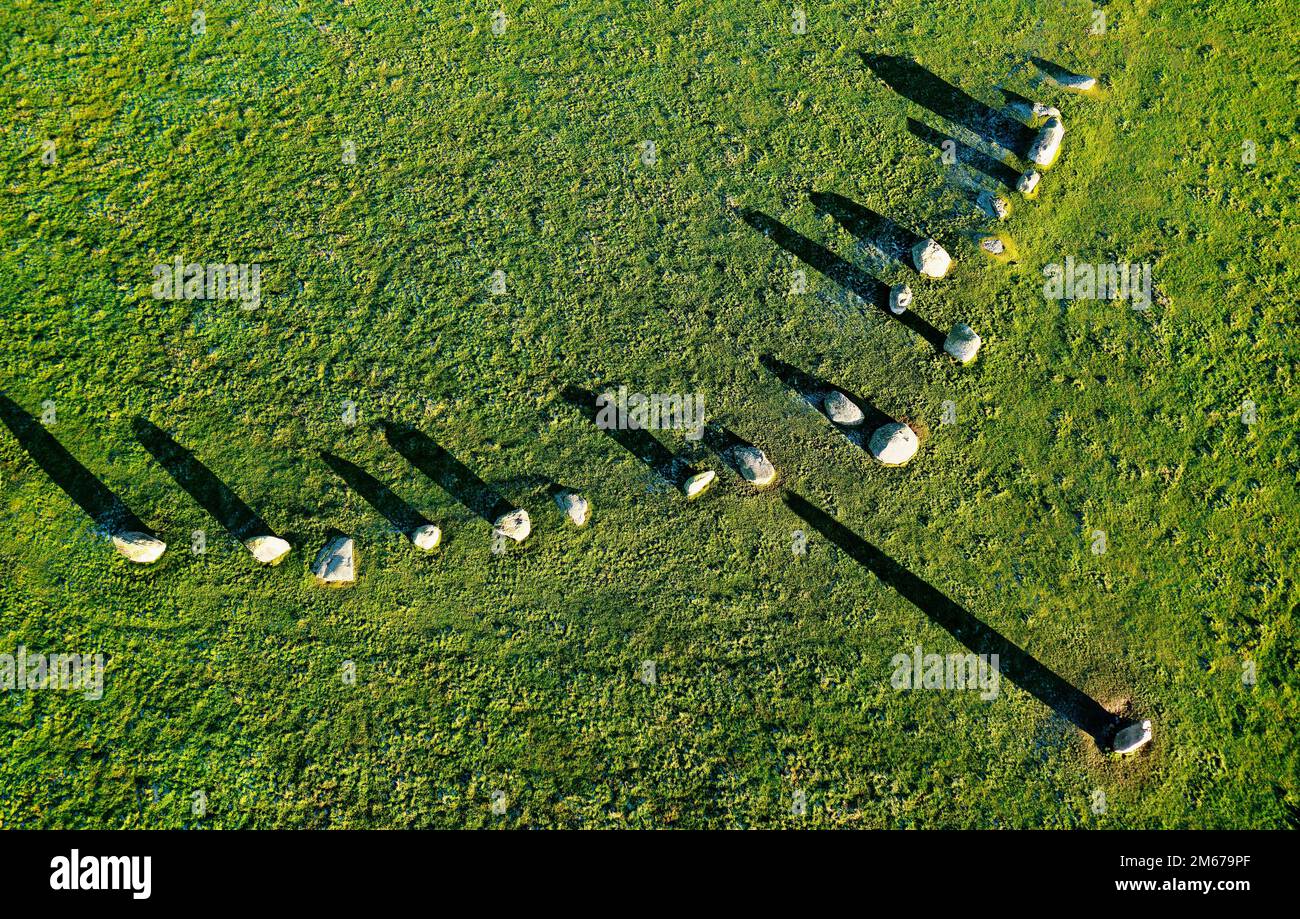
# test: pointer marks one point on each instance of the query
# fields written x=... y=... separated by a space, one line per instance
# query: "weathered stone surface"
x=841 y=409
x=336 y=563
x=1133 y=737
x=514 y=524
x=930 y=258
x=900 y=298
x=962 y=343
x=1047 y=145
x=574 y=506
x=269 y=550
x=1028 y=182
x=1078 y=82
x=993 y=205
x=894 y=443
x=1032 y=111
x=753 y=464
x=140 y=548
x=426 y=537
x=992 y=245
x=699 y=483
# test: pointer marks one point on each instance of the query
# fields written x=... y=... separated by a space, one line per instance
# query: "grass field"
x=513 y=680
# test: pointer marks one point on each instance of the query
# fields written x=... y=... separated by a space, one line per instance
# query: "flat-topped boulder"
x=841 y=409
x=140 y=548
x=698 y=484
x=900 y=298
x=894 y=443
x=336 y=563
x=269 y=550
x=993 y=205
x=962 y=343
x=1047 y=145
x=514 y=524
x=574 y=506
x=1133 y=737
x=426 y=537
x=753 y=464
x=931 y=259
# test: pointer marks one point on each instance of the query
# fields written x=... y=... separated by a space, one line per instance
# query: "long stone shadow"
x=200 y=483
x=105 y=508
x=911 y=80
x=453 y=476
x=1014 y=662
x=889 y=236
x=812 y=388
x=640 y=443
x=995 y=169
x=404 y=518
x=845 y=274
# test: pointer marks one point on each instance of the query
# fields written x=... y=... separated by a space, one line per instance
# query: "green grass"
x=518 y=672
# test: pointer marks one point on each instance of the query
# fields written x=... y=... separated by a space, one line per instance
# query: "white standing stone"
x=900 y=298
x=993 y=205
x=426 y=537
x=753 y=464
x=962 y=343
x=931 y=259
x=574 y=506
x=1080 y=83
x=514 y=524
x=140 y=548
x=269 y=550
x=992 y=245
x=1133 y=737
x=699 y=483
x=841 y=409
x=336 y=563
x=894 y=443
x=1028 y=182
x=1047 y=145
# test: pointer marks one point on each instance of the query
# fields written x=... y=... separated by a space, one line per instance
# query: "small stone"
x=140 y=548
x=993 y=205
x=930 y=258
x=842 y=410
x=336 y=563
x=753 y=464
x=269 y=550
x=1076 y=81
x=1031 y=111
x=900 y=298
x=426 y=537
x=962 y=343
x=1132 y=738
x=992 y=245
x=514 y=524
x=1047 y=144
x=698 y=484
x=894 y=443
x=573 y=505
x=1028 y=182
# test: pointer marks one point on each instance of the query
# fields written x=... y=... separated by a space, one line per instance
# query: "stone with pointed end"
x=336 y=563
x=269 y=550
x=841 y=409
x=699 y=483
x=1028 y=182
x=753 y=464
x=1133 y=737
x=140 y=548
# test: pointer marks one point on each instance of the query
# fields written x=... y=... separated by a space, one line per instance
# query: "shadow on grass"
x=813 y=388
x=404 y=518
x=889 y=236
x=912 y=81
x=996 y=170
x=200 y=483
x=844 y=273
x=1014 y=662
x=105 y=508
x=640 y=443
x=453 y=476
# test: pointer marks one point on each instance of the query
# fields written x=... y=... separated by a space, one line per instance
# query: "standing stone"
x=992 y=245
x=1027 y=183
x=426 y=537
x=1133 y=737
x=900 y=298
x=1078 y=82
x=336 y=563
x=269 y=550
x=1047 y=144
x=894 y=443
x=574 y=506
x=698 y=484
x=140 y=548
x=993 y=205
x=841 y=409
x=753 y=464
x=962 y=343
x=930 y=258
x=514 y=524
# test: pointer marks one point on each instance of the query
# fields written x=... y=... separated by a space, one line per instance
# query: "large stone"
x=426 y=537
x=993 y=205
x=841 y=409
x=514 y=524
x=894 y=443
x=140 y=548
x=336 y=563
x=699 y=483
x=574 y=506
x=962 y=343
x=900 y=298
x=1028 y=182
x=1047 y=145
x=269 y=550
x=1133 y=737
x=930 y=258
x=753 y=464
